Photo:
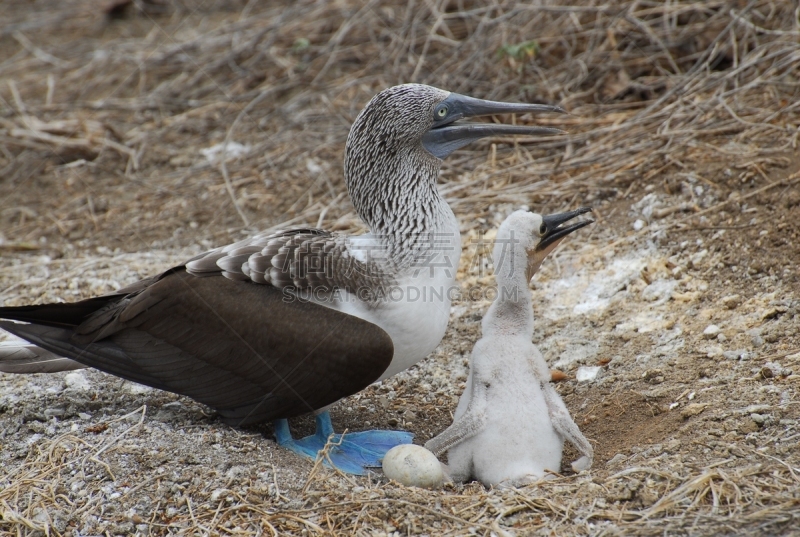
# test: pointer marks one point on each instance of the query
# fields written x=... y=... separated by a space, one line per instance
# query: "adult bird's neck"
x=395 y=194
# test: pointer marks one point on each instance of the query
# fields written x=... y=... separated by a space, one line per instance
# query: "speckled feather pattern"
x=391 y=179
x=296 y=260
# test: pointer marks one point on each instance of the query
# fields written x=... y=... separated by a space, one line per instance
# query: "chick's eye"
x=441 y=112
x=542 y=229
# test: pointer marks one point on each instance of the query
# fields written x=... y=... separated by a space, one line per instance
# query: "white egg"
x=413 y=466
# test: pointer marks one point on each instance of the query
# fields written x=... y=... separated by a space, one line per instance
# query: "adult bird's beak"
x=551 y=234
x=445 y=136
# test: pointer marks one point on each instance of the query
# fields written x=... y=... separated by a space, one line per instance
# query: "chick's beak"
x=552 y=233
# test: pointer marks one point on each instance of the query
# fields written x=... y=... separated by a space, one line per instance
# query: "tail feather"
x=19 y=357
x=41 y=356
x=103 y=355
x=58 y=315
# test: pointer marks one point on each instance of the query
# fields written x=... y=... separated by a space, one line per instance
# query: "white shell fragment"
x=587 y=373
x=413 y=466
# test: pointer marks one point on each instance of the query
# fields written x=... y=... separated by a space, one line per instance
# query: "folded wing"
x=250 y=351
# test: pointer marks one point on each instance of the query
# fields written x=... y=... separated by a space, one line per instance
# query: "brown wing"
x=247 y=350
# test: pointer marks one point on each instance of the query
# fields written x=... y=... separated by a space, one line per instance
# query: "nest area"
x=105 y=113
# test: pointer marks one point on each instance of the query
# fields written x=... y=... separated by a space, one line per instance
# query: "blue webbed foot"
x=354 y=453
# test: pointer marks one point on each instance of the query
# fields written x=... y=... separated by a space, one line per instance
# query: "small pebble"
x=135 y=388
x=748 y=427
x=413 y=466
x=732 y=301
x=54 y=412
x=653 y=376
x=217 y=494
x=711 y=331
x=638 y=225
x=696 y=260
x=693 y=410
x=738 y=354
x=616 y=459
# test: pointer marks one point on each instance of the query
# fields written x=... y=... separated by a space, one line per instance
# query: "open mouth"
x=447 y=134
x=552 y=231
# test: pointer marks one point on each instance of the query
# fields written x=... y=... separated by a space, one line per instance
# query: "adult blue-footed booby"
x=510 y=423
x=288 y=323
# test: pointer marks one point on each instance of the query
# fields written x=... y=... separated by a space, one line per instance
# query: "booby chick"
x=510 y=423
x=288 y=323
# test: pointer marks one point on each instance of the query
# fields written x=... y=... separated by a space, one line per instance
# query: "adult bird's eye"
x=543 y=229
x=442 y=112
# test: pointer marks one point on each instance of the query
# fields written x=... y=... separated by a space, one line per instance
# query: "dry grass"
x=112 y=114
x=726 y=498
x=650 y=87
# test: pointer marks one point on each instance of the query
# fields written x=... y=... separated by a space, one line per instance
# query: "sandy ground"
x=685 y=294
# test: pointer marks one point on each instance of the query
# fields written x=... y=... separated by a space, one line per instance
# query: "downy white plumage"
x=510 y=423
